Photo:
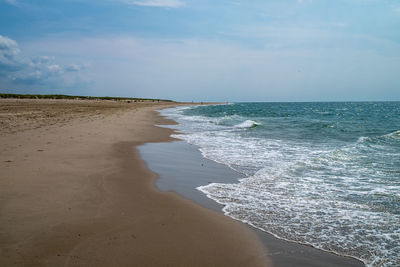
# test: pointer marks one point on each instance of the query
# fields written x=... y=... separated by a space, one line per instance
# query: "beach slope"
x=74 y=191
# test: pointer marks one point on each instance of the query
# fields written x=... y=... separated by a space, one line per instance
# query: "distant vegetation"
x=21 y=96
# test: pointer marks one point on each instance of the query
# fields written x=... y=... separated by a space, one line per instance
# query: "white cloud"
x=10 y=55
x=396 y=9
x=54 y=68
x=8 y=47
x=12 y=2
x=16 y=67
x=185 y=69
x=159 y=3
x=73 y=68
x=42 y=60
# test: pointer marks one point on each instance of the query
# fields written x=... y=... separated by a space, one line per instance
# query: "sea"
x=322 y=174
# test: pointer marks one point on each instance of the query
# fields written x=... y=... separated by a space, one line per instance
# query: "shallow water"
x=325 y=174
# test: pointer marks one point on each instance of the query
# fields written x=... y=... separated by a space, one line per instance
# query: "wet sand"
x=181 y=168
x=75 y=192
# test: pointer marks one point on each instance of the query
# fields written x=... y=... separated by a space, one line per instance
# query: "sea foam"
x=247 y=124
x=335 y=188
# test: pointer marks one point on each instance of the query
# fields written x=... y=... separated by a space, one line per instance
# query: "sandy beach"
x=74 y=192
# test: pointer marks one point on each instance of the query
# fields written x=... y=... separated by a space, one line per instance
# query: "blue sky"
x=271 y=50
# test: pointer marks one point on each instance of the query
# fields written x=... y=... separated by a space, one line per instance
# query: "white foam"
x=247 y=124
x=395 y=134
x=301 y=192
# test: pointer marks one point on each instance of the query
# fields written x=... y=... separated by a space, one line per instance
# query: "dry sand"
x=74 y=192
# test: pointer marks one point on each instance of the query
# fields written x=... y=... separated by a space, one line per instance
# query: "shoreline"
x=307 y=255
x=202 y=171
x=76 y=192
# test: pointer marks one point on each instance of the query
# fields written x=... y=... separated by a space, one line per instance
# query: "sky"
x=203 y=50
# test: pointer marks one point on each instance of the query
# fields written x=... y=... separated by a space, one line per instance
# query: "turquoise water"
x=324 y=174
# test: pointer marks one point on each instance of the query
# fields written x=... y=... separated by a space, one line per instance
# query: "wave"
x=336 y=196
x=393 y=136
x=247 y=124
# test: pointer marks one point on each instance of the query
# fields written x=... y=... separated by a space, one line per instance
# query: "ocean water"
x=323 y=174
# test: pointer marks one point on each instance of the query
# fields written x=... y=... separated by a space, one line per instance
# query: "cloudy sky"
x=203 y=50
